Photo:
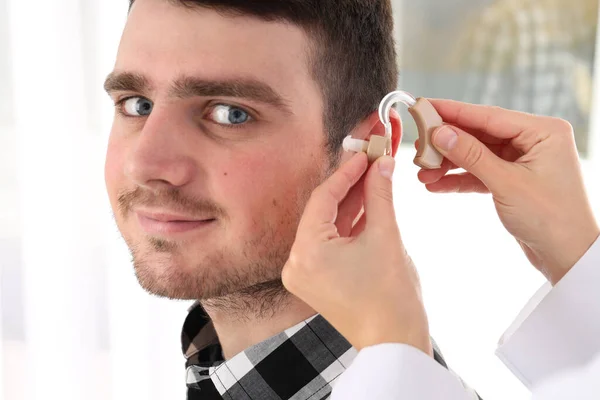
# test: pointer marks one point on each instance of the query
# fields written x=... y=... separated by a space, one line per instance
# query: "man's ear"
x=397 y=133
x=373 y=126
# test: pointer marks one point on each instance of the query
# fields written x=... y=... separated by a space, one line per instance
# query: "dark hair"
x=353 y=52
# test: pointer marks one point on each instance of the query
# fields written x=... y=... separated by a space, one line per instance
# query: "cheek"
x=261 y=189
x=113 y=168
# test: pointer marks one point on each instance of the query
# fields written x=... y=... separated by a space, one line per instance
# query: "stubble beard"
x=218 y=280
x=247 y=285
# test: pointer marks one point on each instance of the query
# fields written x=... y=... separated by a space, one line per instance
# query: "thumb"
x=379 y=202
x=467 y=152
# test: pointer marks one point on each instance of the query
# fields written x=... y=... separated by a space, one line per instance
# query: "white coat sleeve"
x=579 y=383
x=559 y=330
x=396 y=371
x=560 y=327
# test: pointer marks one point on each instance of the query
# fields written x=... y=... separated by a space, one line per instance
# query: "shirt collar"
x=302 y=362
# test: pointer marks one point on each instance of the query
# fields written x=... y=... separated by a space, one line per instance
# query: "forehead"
x=163 y=41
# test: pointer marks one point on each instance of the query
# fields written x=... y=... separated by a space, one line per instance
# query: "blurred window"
x=535 y=56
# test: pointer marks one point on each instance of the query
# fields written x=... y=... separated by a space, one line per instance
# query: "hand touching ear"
x=359 y=277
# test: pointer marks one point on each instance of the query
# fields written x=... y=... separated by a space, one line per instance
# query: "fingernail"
x=386 y=166
x=445 y=138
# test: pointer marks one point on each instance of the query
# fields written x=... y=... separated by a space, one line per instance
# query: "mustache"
x=172 y=199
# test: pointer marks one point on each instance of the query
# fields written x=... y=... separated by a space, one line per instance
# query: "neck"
x=247 y=318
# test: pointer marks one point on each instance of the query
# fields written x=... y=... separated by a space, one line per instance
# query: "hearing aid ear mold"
x=376 y=147
x=426 y=118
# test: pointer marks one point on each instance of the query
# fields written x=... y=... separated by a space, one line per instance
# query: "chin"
x=170 y=276
x=197 y=270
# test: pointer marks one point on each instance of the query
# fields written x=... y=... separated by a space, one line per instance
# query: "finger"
x=505 y=152
x=482 y=137
x=349 y=209
x=322 y=208
x=498 y=147
x=493 y=121
x=359 y=227
x=458 y=183
x=494 y=143
x=488 y=139
x=434 y=175
x=379 y=204
x=466 y=152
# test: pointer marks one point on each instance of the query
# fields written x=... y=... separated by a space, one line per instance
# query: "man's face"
x=219 y=147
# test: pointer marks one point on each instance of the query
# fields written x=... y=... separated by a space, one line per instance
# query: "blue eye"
x=229 y=115
x=137 y=107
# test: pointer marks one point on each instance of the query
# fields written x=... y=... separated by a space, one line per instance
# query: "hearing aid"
x=426 y=118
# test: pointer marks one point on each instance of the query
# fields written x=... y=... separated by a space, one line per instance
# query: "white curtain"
x=76 y=325
x=88 y=330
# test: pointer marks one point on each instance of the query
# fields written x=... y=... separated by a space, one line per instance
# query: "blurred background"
x=73 y=321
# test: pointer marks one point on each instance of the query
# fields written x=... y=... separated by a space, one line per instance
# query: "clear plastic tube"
x=386 y=106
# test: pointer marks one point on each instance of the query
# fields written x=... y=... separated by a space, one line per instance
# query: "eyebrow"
x=187 y=86
x=126 y=82
x=240 y=88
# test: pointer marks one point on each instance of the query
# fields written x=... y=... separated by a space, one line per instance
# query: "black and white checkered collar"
x=301 y=363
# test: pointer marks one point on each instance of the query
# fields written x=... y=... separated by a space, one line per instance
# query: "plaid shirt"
x=301 y=363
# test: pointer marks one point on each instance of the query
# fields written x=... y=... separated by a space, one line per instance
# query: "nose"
x=160 y=158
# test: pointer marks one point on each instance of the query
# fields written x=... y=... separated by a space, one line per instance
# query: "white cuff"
x=559 y=328
x=398 y=371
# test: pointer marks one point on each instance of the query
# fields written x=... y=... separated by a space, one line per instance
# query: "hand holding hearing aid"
x=531 y=166
x=358 y=277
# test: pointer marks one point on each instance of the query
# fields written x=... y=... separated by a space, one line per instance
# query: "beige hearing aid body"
x=427 y=120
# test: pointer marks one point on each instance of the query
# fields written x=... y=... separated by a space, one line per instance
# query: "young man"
x=228 y=115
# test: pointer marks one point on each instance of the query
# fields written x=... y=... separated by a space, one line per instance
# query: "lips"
x=161 y=224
